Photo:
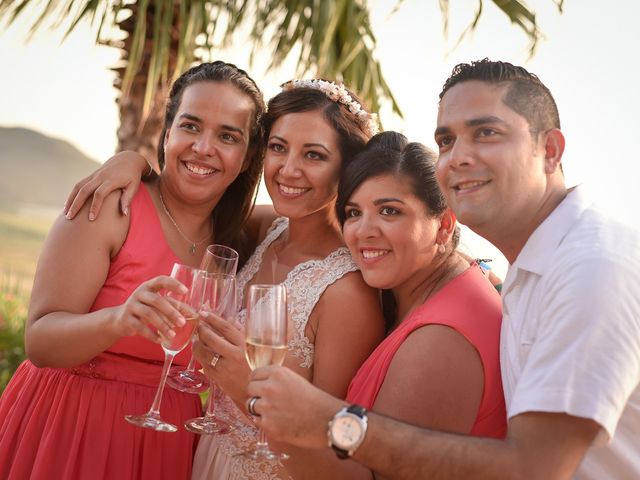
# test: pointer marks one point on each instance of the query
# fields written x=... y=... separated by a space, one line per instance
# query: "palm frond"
x=334 y=38
x=524 y=18
x=517 y=11
x=335 y=41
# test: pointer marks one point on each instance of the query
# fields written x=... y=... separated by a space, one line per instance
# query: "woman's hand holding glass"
x=220 y=337
x=218 y=259
x=149 y=313
x=188 y=303
x=219 y=299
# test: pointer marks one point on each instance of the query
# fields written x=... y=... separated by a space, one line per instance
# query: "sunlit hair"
x=234 y=207
x=525 y=94
x=352 y=134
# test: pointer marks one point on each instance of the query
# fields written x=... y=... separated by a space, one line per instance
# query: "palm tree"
x=160 y=38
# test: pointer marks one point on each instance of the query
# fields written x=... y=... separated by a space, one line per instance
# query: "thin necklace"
x=192 y=249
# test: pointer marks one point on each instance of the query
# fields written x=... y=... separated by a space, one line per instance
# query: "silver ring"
x=214 y=360
x=251 y=404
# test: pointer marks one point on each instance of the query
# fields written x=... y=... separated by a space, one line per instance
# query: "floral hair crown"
x=339 y=94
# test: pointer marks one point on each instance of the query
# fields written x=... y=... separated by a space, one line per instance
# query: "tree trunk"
x=137 y=132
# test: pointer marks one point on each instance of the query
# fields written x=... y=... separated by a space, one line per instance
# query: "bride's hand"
x=122 y=171
x=217 y=336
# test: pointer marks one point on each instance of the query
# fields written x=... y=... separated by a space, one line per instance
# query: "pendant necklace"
x=192 y=248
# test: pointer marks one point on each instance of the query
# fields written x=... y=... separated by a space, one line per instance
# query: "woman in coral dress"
x=93 y=328
x=312 y=129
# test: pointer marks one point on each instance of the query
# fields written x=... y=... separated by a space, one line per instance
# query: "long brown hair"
x=234 y=208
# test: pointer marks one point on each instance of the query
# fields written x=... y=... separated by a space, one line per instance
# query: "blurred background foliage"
x=20 y=242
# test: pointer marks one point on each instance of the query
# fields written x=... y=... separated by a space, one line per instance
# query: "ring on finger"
x=251 y=405
x=214 y=359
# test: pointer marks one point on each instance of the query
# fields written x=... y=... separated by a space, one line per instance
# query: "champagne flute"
x=265 y=343
x=189 y=305
x=219 y=298
x=217 y=259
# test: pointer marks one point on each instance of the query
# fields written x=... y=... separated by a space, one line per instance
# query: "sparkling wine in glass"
x=219 y=298
x=217 y=259
x=265 y=343
x=189 y=306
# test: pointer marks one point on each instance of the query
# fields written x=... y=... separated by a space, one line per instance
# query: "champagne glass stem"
x=209 y=412
x=261 y=443
x=192 y=361
x=155 y=407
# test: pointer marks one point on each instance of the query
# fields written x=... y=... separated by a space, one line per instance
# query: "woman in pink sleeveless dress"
x=92 y=335
x=438 y=367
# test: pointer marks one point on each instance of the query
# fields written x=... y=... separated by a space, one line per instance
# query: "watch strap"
x=357 y=410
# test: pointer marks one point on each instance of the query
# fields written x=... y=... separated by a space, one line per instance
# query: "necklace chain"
x=192 y=248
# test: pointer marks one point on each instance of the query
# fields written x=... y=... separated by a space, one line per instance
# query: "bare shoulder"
x=352 y=286
x=443 y=347
x=76 y=249
x=347 y=326
x=108 y=230
x=259 y=222
x=444 y=374
x=351 y=297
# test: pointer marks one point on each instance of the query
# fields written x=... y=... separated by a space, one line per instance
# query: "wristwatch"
x=347 y=430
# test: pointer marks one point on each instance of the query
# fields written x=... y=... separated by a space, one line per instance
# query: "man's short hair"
x=525 y=94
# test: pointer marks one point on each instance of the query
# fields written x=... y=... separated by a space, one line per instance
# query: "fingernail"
x=68 y=216
x=181 y=321
x=92 y=217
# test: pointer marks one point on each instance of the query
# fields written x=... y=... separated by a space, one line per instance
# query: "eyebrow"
x=306 y=145
x=195 y=118
x=378 y=201
x=474 y=122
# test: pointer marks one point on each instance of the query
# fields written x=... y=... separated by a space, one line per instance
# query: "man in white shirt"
x=570 y=344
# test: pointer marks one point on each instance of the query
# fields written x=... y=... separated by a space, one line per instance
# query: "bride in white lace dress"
x=311 y=130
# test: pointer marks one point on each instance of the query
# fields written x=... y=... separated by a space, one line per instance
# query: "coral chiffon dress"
x=68 y=423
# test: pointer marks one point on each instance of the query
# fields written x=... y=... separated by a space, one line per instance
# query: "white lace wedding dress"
x=215 y=456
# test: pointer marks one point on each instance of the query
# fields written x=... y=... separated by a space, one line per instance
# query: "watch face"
x=346 y=431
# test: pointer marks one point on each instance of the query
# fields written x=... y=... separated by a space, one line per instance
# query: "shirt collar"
x=535 y=255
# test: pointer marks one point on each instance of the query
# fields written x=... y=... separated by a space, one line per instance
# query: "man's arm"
x=538 y=445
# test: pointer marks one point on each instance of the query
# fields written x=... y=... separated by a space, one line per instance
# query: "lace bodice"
x=216 y=456
x=305 y=284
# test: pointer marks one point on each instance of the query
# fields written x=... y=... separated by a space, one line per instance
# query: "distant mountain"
x=36 y=169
